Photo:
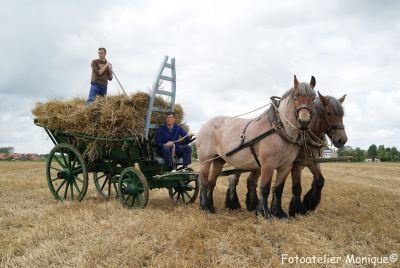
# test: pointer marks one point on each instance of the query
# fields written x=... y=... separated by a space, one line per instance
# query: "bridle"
x=303 y=106
x=331 y=127
x=275 y=101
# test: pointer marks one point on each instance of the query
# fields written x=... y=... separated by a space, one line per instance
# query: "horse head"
x=303 y=96
x=331 y=111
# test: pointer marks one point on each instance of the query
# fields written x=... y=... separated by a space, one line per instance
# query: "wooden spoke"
x=138 y=194
x=66 y=191
x=56 y=169
x=72 y=191
x=72 y=170
x=59 y=162
x=76 y=187
x=64 y=181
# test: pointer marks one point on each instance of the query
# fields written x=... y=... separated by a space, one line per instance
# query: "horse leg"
x=232 y=199
x=313 y=196
x=265 y=188
x=215 y=170
x=276 y=204
x=251 y=196
x=203 y=174
x=295 y=204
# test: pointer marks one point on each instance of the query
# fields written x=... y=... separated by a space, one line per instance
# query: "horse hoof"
x=233 y=206
x=211 y=210
x=251 y=203
x=208 y=210
x=280 y=214
x=264 y=214
x=232 y=201
x=310 y=202
x=296 y=207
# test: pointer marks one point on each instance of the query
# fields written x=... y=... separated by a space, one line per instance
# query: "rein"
x=277 y=126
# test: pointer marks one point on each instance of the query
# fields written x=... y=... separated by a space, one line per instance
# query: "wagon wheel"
x=106 y=184
x=66 y=172
x=133 y=188
x=186 y=191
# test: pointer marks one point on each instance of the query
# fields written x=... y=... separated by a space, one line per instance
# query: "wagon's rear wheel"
x=66 y=172
x=106 y=184
x=187 y=190
x=133 y=189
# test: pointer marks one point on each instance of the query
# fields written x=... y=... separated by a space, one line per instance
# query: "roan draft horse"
x=249 y=145
x=328 y=119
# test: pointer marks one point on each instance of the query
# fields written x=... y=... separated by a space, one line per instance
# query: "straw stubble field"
x=359 y=215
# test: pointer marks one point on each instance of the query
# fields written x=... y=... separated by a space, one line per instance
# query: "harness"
x=251 y=143
x=310 y=139
x=277 y=127
x=306 y=138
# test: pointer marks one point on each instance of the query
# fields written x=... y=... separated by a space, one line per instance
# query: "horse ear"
x=324 y=100
x=342 y=98
x=313 y=82
x=296 y=82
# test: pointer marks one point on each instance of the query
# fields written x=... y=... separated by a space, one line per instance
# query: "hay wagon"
x=126 y=167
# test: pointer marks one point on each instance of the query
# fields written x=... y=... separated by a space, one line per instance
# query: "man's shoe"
x=187 y=169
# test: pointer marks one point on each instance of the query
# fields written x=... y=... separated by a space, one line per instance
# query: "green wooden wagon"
x=124 y=167
x=127 y=169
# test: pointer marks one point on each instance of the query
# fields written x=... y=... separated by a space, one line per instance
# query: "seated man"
x=166 y=137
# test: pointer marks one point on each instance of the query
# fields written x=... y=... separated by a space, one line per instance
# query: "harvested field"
x=359 y=214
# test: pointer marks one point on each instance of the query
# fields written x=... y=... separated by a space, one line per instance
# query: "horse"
x=328 y=120
x=266 y=152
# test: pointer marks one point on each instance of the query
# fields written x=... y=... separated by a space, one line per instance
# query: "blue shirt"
x=165 y=134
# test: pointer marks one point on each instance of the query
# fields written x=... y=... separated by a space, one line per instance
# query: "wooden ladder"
x=156 y=91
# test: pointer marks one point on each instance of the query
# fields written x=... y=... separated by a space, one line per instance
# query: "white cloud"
x=231 y=57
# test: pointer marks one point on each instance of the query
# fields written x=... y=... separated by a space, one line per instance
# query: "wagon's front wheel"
x=133 y=189
x=66 y=173
x=187 y=190
x=106 y=184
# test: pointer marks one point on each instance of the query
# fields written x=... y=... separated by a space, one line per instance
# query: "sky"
x=231 y=56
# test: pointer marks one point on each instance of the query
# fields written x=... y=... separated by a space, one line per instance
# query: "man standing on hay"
x=167 y=141
x=101 y=73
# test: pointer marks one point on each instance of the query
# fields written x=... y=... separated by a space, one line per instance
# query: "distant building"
x=17 y=156
x=32 y=157
x=369 y=160
x=329 y=153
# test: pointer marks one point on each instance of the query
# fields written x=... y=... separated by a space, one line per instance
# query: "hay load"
x=116 y=116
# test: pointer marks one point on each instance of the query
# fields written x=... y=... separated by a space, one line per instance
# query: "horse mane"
x=336 y=105
x=304 y=90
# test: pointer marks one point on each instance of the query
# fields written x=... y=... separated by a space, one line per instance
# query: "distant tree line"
x=7 y=150
x=383 y=154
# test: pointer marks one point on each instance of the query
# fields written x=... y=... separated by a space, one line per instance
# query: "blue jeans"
x=184 y=151
x=95 y=90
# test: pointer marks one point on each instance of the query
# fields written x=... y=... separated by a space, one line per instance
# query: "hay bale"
x=116 y=116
